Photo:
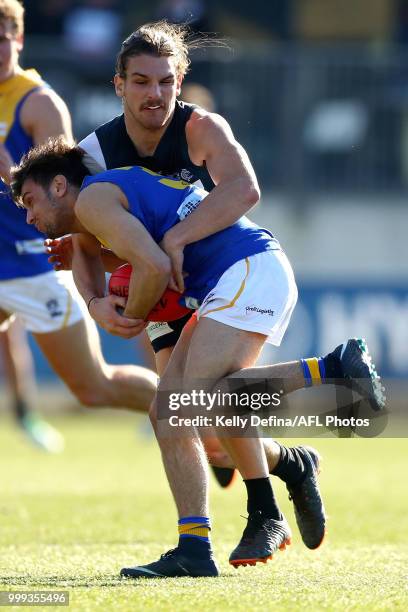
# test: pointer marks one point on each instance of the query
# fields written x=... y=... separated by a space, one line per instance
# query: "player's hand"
x=175 y=252
x=6 y=163
x=60 y=251
x=104 y=311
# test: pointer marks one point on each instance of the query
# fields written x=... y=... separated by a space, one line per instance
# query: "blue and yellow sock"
x=314 y=371
x=194 y=534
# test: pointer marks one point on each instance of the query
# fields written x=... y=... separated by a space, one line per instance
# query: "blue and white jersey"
x=160 y=202
x=22 y=250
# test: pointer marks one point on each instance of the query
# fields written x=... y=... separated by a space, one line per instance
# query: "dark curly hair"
x=43 y=162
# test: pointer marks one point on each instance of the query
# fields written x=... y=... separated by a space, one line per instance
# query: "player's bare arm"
x=211 y=142
x=102 y=210
x=90 y=281
x=5 y=164
x=44 y=115
x=87 y=256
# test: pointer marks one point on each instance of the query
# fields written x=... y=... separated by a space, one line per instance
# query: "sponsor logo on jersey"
x=30 y=247
x=208 y=299
x=157 y=330
x=190 y=203
x=267 y=311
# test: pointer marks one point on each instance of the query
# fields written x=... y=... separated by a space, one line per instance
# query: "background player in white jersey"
x=46 y=302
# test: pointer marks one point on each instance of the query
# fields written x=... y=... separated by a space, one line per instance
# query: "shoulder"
x=98 y=193
x=101 y=144
x=207 y=135
x=203 y=124
x=109 y=181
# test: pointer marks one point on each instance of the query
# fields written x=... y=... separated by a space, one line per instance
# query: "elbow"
x=253 y=194
x=250 y=193
x=158 y=268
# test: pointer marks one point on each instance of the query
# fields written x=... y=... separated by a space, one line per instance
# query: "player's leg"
x=269 y=284
x=75 y=355
x=298 y=467
x=18 y=368
x=19 y=374
x=51 y=308
x=349 y=363
x=163 y=338
x=181 y=454
x=204 y=352
x=216 y=350
x=184 y=458
x=185 y=464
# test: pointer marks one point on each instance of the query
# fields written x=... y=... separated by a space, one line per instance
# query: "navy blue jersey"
x=110 y=146
x=160 y=202
x=22 y=250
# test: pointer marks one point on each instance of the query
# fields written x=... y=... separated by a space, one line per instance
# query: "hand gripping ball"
x=167 y=308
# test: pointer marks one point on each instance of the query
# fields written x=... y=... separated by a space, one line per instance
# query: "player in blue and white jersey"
x=47 y=302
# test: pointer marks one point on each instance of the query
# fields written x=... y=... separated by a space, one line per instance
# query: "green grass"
x=72 y=521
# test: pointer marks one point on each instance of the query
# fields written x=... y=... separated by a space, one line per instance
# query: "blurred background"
x=317 y=92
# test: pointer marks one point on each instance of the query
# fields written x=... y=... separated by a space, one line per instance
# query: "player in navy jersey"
x=46 y=302
x=244 y=291
x=171 y=137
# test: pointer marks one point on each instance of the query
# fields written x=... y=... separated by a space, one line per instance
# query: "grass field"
x=72 y=521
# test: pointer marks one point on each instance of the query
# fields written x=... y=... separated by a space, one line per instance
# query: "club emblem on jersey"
x=186 y=175
x=53 y=308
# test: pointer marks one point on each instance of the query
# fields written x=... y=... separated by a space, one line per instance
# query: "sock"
x=314 y=371
x=20 y=409
x=194 y=535
x=261 y=497
x=290 y=467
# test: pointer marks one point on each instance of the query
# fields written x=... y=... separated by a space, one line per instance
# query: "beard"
x=53 y=232
x=59 y=220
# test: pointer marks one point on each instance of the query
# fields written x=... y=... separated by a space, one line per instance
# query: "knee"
x=216 y=455
x=90 y=395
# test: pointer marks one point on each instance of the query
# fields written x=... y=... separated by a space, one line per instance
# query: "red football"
x=166 y=309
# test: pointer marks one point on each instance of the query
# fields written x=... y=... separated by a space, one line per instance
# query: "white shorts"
x=257 y=294
x=44 y=302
